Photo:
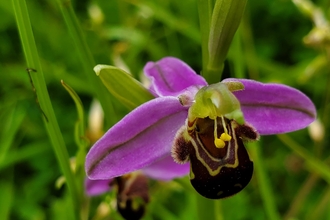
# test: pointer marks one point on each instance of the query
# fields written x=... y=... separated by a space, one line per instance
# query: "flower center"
x=220 y=142
x=217 y=100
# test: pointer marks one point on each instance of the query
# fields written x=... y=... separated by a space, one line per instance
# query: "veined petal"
x=142 y=137
x=274 y=108
x=97 y=187
x=166 y=169
x=169 y=76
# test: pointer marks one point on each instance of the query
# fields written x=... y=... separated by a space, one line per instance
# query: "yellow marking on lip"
x=192 y=175
x=217 y=171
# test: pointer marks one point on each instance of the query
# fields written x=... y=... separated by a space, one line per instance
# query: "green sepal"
x=123 y=86
x=217 y=100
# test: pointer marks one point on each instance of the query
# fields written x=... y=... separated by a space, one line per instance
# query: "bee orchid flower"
x=205 y=125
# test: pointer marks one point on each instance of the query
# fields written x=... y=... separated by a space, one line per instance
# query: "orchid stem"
x=206 y=208
x=37 y=77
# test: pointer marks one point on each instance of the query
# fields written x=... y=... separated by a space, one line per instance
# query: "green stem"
x=250 y=55
x=55 y=135
x=264 y=184
x=318 y=212
x=205 y=8
x=236 y=56
x=87 y=59
x=300 y=198
x=82 y=144
x=316 y=165
x=206 y=208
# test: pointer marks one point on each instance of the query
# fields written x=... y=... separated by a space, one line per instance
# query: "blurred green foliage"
x=268 y=47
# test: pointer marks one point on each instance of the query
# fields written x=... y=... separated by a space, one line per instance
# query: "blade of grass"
x=82 y=143
x=300 y=198
x=314 y=164
x=11 y=121
x=235 y=56
x=205 y=9
x=53 y=130
x=320 y=207
x=7 y=195
x=25 y=153
x=264 y=184
x=87 y=60
x=249 y=54
x=207 y=208
x=174 y=22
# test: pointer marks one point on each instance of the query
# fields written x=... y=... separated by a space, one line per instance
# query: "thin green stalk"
x=81 y=141
x=316 y=165
x=205 y=9
x=218 y=210
x=318 y=211
x=7 y=195
x=300 y=198
x=206 y=208
x=55 y=135
x=87 y=59
x=266 y=191
x=264 y=184
x=11 y=121
x=250 y=55
x=236 y=56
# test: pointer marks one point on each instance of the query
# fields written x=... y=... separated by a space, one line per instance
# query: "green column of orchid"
x=225 y=19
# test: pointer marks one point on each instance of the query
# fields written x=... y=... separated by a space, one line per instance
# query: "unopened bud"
x=316 y=130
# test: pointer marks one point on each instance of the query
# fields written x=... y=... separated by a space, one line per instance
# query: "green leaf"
x=11 y=121
x=80 y=125
x=123 y=86
x=81 y=141
x=7 y=188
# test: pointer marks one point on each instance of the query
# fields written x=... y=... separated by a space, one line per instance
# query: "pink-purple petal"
x=274 y=108
x=169 y=76
x=97 y=187
x=166 y=169
x=142 y=137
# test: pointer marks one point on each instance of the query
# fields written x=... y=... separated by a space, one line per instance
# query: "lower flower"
x=131 y=189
